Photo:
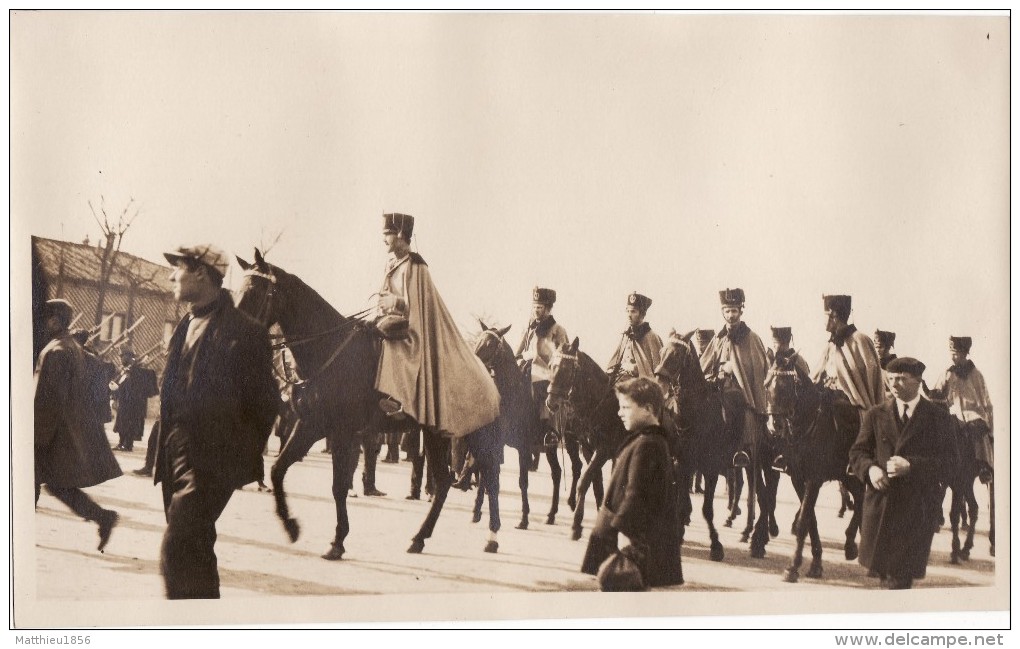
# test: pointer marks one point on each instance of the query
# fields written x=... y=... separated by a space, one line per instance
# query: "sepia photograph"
x=507 y=320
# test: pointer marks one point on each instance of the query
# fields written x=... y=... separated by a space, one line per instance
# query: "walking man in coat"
x=902 y=453
x=132 y=391
x=218 y=403
x=735 y=361
x=71 y=450
x=640 y=348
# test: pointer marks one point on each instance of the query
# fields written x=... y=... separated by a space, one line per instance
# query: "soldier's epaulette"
x=417 y=259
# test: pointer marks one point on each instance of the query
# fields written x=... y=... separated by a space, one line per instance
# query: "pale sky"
x=675 y=155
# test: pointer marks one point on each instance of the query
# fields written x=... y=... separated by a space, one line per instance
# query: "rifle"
x=149 y=355
x=122 y=338
x=75 y=321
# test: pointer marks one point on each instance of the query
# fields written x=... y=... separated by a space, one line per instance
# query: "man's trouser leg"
x=187 y=555
x=78 y=501
x=370 y=444
x=417 y=462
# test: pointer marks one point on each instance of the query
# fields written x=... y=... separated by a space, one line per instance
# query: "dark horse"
x=518 y=418
x=586 y=389
x=336 y=358
x=815 y=427
x=705 y=445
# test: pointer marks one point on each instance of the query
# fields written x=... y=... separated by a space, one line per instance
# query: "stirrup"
x=551 y=439
x=741 y=459
x=779 y=464
x=391 y=408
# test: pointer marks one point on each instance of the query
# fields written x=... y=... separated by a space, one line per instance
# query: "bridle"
x=556 y=387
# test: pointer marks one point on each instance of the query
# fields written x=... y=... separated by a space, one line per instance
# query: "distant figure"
x=782 y=359
x=132 y=391
x=640 y=348
x=962 y=388
x=71 y=450
x=884 y=342
x=217 y=407
x=902 y=453
x=640 y=499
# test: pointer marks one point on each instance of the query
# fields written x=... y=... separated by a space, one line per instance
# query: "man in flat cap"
x=538 y=344
x=71 y=449
x=735 y=361
x=962 y=388
x=902 y=454
x=426 y=368
x=640 y=348
x=217 y=406
x=783 y=359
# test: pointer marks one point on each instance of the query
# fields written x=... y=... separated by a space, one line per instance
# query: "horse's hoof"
x=991 y=550
x=964 y=527
x=572 y=503
x=491 y=547
x=292 y=528
x=757 y=553
x=523 y=525
x=737 y=512
x=814 y=572
x=476 y=516
x=773 y=529
x=550 y=519
x=336 y=552
x=416 y=547
x=717 y=553
x=575 y=534
x=728 y=523
x=791 y=576
x=965 y=555
x=840 y=513
x=850 y=552
x=954 y=559
x=745 y=537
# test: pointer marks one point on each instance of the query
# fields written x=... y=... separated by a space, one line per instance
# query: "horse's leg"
x=708 y=511
x=556 y=472
x=576 y=468
x=772 y=478
x=956 y=504
x=476 y=512
x=523 y=461
x=297 y=446
x=991 y=517
x=345 y=463
x=595 y=465
x=760 y=529
x=798 y=487
x=815 y=571
x=488 y=479
x=754 y=484
x=970 y=504
x=807 y=492
x=437 y=454
x=598 y=489
x=734 y=487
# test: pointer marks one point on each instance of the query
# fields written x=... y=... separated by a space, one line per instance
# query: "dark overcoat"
x=225 y=400
x=132 y=395
x=640 y=502
x=71 y=448
x=897 y=525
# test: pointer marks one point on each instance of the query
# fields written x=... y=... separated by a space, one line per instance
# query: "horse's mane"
x=316 y=311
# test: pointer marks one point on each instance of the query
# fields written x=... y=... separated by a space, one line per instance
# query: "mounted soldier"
x=962 y=388
x=884 y=342
x=534 y=354
x=785 y=367
x=640 y=348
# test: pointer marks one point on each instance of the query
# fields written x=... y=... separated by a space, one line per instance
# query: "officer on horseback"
x=735 y=361
x=962 y=388
x=534 y=354
x=786 y=365
x=884 y=342
x=640 y=348
x=850 y=364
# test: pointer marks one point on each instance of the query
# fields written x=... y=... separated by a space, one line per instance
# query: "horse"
x=579 y=383
x=705 y=446
x=336 y=358
x=518 y=419
x=815 y=428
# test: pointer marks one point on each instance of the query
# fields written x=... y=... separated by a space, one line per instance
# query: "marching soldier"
x=962 y=388
x=640 y=348
x=132 y=391
x=735 y=361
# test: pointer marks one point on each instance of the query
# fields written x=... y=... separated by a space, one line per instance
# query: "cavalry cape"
x=436 y=378
x=744 y=354
x=851 y=364
x=639 y=351
x=963 y=388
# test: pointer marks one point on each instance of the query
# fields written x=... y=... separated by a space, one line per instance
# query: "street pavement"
x=256 y=560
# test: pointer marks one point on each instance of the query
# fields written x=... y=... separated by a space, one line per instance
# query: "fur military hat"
x=782 y=334
x=960 y=344
x=905 y=365
x=732 y=297
x=545 y=296
x=639 y=302
x=838 y=304
x=400 y=224
x=885 y=338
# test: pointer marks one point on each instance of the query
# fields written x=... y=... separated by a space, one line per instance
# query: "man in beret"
x=217 y=406
x=735 y=361
x=534 y=353
x=902 y=454
x=962 y=388
x=640 y=348
x=71 y=449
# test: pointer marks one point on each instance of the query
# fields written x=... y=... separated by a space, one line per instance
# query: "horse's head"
x=562 y=372
x=789 y=391
x=489 y=343
x=674 y=356
x=259 y=295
